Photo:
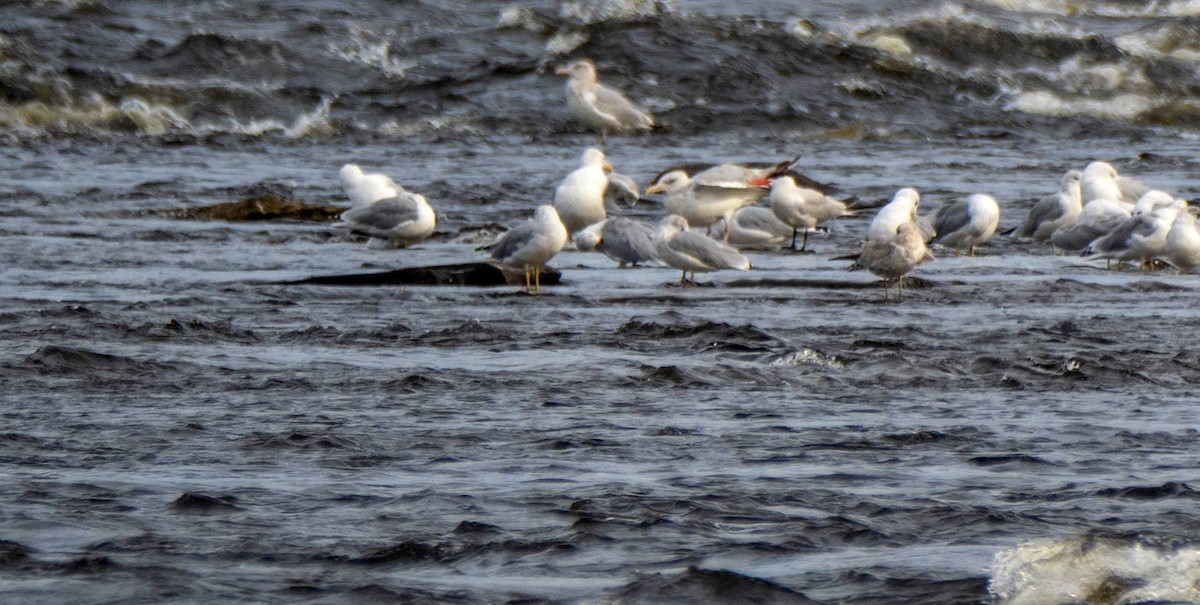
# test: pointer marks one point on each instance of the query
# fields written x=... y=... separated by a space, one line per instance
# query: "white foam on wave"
x=313 y=123
x=1046 y=103
x=92 y=111
x=372 y=49
x=601 y=11
x=1075 y=8
x=1166 y=41
x=1096 y=570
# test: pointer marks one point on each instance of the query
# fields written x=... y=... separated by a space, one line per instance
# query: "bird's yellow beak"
x=608 y=167
x=655 y=188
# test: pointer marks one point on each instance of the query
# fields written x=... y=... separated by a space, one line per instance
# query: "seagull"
x=710 y=195
x=967 y=223
x=600 y=106
x=754 y=227
x=1054 y=212
x=1097 y=218
x=1101 y=181
x=1183 y=242
x=892 y=255
x=802 y=208
x=623 y=189
x=400 y=220
x=531 y=244
x=689 y=251
x=902 y=209
x=579 y=199
x=624 y=240
x=366 y=189
x=1143 y=237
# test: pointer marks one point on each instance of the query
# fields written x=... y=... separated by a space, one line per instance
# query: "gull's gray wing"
x=1046 y=210
x=512 y=241
x=627 y=240
x=622 y=189
x=707 y=251
x=950 y=218
x=384 y=214
x=611 y=102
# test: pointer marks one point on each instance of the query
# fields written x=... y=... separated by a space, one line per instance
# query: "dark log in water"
x=466 y=274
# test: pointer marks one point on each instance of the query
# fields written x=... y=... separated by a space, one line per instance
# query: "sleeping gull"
x=1101 y=181
x=902 y=209
x=366 y=189
x=710 y=195
x=1142 y=237
x=579 y=199
x=600 y=106
x=892 y=255
x=1183 y=242
x=1053 y=212
x=624 y=240
x=755 y=226
x=966 y=223
x=531 y=244
x=802 y=208
x=399 y=220
x=689 y=251
x=623 y=189
x=1097 y=218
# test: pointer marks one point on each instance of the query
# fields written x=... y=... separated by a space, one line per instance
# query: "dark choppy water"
x=178 y=428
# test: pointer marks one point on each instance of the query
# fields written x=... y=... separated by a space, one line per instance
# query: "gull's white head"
x=546 y=214
x=1099 y=181
x=1154 y=199
x=582 y=70
x=350 y=172
x=670 y=226
x=907 y=196
x=783 y=183
x=589 y=237
x=1071 y=180
x=670 y=182
x=593 y=157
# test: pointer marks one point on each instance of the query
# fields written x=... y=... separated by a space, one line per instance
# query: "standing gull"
x=689 y=251
x=399 y=220
x=366 y=189
x=1053 y=212
x=710 y=195
x=892 y=255
x=754 y=227
x=1142 y=237
x=600 y=106
x=802 y=208
x=531 y=244
x=624 y=240
x=579 y=199
x=1183 y=242
x=966 y=223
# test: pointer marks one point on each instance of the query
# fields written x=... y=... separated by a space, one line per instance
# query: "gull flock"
x=1096 y=212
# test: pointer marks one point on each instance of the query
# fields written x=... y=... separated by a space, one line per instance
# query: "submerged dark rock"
x=267 y=207
x=465 y=274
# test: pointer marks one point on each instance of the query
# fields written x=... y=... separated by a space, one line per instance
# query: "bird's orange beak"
x=655 y=188
x=608 y=167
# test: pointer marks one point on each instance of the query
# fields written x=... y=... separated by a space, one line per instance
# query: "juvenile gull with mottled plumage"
x=601 y=107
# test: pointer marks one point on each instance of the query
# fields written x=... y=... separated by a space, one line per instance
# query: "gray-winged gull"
x=690 y=251
x=624 y=240
x=710 y=195
x=599 y=106
x=801 y=208
x=1141 y=237
x=755 y=227
x=399 y=220
x=1183 y=242
x=966 y=223
x=531 y=244
x=1097 y=218
x=1054 y=212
